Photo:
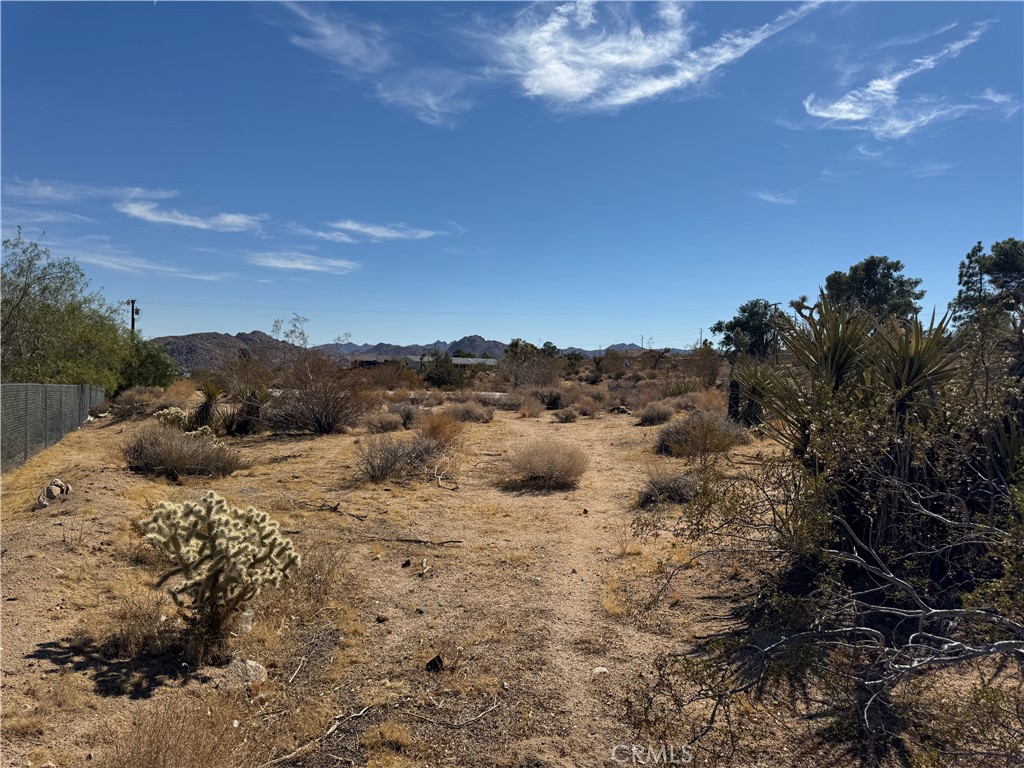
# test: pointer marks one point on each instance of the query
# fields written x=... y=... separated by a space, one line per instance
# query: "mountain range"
x=207 y=351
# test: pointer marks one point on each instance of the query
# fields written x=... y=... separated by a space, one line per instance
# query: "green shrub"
x=221 y=558
x=169 y=452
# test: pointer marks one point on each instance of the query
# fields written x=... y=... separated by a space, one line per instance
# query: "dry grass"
x=546 y=465
x=169 y=452
x=565 y=415
x=188 y=734
x=385 y=457
x=471 y=412
x=442 y=427
x=669 y=488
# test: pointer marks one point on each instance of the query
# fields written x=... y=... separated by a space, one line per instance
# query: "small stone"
x=244 y=673
x=381 y=619
x=600 y=670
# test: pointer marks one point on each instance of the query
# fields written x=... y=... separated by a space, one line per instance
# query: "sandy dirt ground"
x=532 y=600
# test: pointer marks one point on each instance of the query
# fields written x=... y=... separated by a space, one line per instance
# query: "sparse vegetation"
x=220 y=557
x=169 y=452
x=656 y=413
x=701 y=435
x=319 y=397
x=546 y=465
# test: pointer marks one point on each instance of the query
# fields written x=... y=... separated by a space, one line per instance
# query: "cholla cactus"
x=222 y=555
x=203 y=432
x=172 y=417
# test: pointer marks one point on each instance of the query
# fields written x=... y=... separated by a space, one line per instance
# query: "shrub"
x=320 y=397
x=172 y=417
x=669 y=488
x=702 y=435
x=443 y=428
x=386 y=457
x=205 y=414
x=675 y=387
x=547 y=465
x=471 y=412
x=135 y=403
x=566 y=415
x=409 y=413
x=588 y=406
x=383 y=422
x=221 y=558
x=530 y=407
x=655 y=413
x=169 y=452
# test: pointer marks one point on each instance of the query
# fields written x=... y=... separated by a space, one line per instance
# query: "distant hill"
x=207 y=351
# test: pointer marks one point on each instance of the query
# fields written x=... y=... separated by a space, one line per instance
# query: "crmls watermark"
x=648 y=754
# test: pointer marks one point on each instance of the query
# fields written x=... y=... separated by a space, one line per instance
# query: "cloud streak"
x=303 y=262
x=879 y=108
x=574 y=62
x=97 y=250
x=378 y=232
x=356 y=48
x=776 y=198
x=222 y=222
x=62 y=191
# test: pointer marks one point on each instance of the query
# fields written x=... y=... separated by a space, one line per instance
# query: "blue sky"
x=575 y=172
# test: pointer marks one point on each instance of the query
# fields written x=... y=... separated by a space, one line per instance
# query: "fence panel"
x=35 y=416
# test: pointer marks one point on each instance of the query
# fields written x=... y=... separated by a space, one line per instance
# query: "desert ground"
x=546 y=611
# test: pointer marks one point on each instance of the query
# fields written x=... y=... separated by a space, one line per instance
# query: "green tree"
x=990 y=283
x=439 y=370
x=877 y=286
x=751 y=332
x=148 y=365
x=53 y=329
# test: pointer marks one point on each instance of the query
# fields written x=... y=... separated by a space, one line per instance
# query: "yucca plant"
x=205 y=414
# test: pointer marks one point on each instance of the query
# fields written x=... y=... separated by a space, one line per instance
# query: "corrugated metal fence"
x=35 y=416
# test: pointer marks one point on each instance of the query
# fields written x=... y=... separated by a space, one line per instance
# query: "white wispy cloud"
x=382 y=231
x=878 y=106
x=99 y=251
x=435 y=96
x=41 y=216
x=36 y=190
x=334 y=237
x=778 y=198
x=596 y=57
x=356 y=47
x=928 y=170
x=303 y=262
x=222 y=222
x=920 y=37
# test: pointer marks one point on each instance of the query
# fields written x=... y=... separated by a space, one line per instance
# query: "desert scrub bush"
x=380 y=458
x=408 y=412
x=677 y=386
x=589 y=407
x=320 y=396
x=443 y=428
x=546 y=465
x=221 y=557
x=376 y=423
x=565 y=415
x=530 y=407
x=669 y=488
x=655 y=413
x=703 y=435
x=471 y=412
x=169 y=452
x=135 y=403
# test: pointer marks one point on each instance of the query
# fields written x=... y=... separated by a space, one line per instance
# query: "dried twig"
x=309 y=745
x=414 y=541
x=461 y=724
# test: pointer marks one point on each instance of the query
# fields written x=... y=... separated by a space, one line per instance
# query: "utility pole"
x=134 y=314
x=700 y=339
x=641 y=341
